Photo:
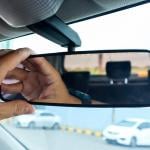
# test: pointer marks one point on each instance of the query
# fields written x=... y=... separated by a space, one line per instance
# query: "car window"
x=46 y=114
x=145 y=125
x=126 y=123
x=128 y=29
x=96 y=64
x=81 y=128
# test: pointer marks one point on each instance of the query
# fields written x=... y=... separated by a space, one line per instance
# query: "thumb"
x=14 y=108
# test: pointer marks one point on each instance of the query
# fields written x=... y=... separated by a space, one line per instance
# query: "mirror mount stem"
x=71 y=48
x=55 y=30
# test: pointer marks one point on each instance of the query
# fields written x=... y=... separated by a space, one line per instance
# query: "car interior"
x=19 y=15
x=117 y=80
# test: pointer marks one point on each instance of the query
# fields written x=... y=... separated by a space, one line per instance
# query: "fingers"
x=11 y=60
x=43 y=66
x=17 y=73
x=29 y=66
x=12 y=88
x=14 y=108
x=4 y=51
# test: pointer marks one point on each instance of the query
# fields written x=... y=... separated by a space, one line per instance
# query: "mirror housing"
x=89 y=75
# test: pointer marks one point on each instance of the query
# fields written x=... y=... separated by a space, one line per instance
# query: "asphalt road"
x=39 y=139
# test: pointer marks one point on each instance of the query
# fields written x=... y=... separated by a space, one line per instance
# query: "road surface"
x=39 y=139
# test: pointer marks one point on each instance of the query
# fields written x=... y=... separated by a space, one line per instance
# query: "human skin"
x=7 y=63
x=39 y=82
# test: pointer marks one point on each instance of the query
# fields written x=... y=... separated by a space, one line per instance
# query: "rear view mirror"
x=117 y=78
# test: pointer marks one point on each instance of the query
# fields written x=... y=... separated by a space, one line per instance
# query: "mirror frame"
x=94 y=105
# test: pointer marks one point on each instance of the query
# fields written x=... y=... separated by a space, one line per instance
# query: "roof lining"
x=90 y=17
x=111 y=11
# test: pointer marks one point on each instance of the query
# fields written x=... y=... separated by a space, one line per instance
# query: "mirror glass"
x=115 y=78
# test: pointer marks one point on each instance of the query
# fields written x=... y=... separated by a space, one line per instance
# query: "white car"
x=40 y=119
x=130 y=132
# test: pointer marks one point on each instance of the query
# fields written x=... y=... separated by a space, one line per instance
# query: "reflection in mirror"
x=119 y=78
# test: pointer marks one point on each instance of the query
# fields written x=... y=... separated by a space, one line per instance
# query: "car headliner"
x=74 y=11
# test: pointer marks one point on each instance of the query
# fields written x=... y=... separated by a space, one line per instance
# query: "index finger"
x=10 y=60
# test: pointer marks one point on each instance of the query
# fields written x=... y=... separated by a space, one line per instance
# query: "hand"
x=7 y=63
x=40 y=82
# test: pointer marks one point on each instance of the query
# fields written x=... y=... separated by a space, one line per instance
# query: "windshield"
x=127 y=29
x=126 y=123
x=72 y=128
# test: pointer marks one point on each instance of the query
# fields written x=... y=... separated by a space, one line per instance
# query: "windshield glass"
x=127 y=29
x=126 y=123
x=72 y=128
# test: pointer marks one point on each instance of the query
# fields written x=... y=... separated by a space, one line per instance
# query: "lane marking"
x=88 y=132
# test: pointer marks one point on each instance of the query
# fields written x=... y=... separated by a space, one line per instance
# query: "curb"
x=82 y=131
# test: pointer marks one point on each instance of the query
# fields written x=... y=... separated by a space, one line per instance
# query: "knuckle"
x=19 y=107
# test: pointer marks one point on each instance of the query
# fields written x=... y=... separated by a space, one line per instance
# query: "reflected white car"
x=130 y=132
x=40 y=119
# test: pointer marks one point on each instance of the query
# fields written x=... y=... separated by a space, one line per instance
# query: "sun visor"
x=7 y=32
x=20 y=13
x=11 y=32
x=91 y=8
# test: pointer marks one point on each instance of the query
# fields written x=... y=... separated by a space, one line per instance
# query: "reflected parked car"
x=130 y=132
x=40 y=119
